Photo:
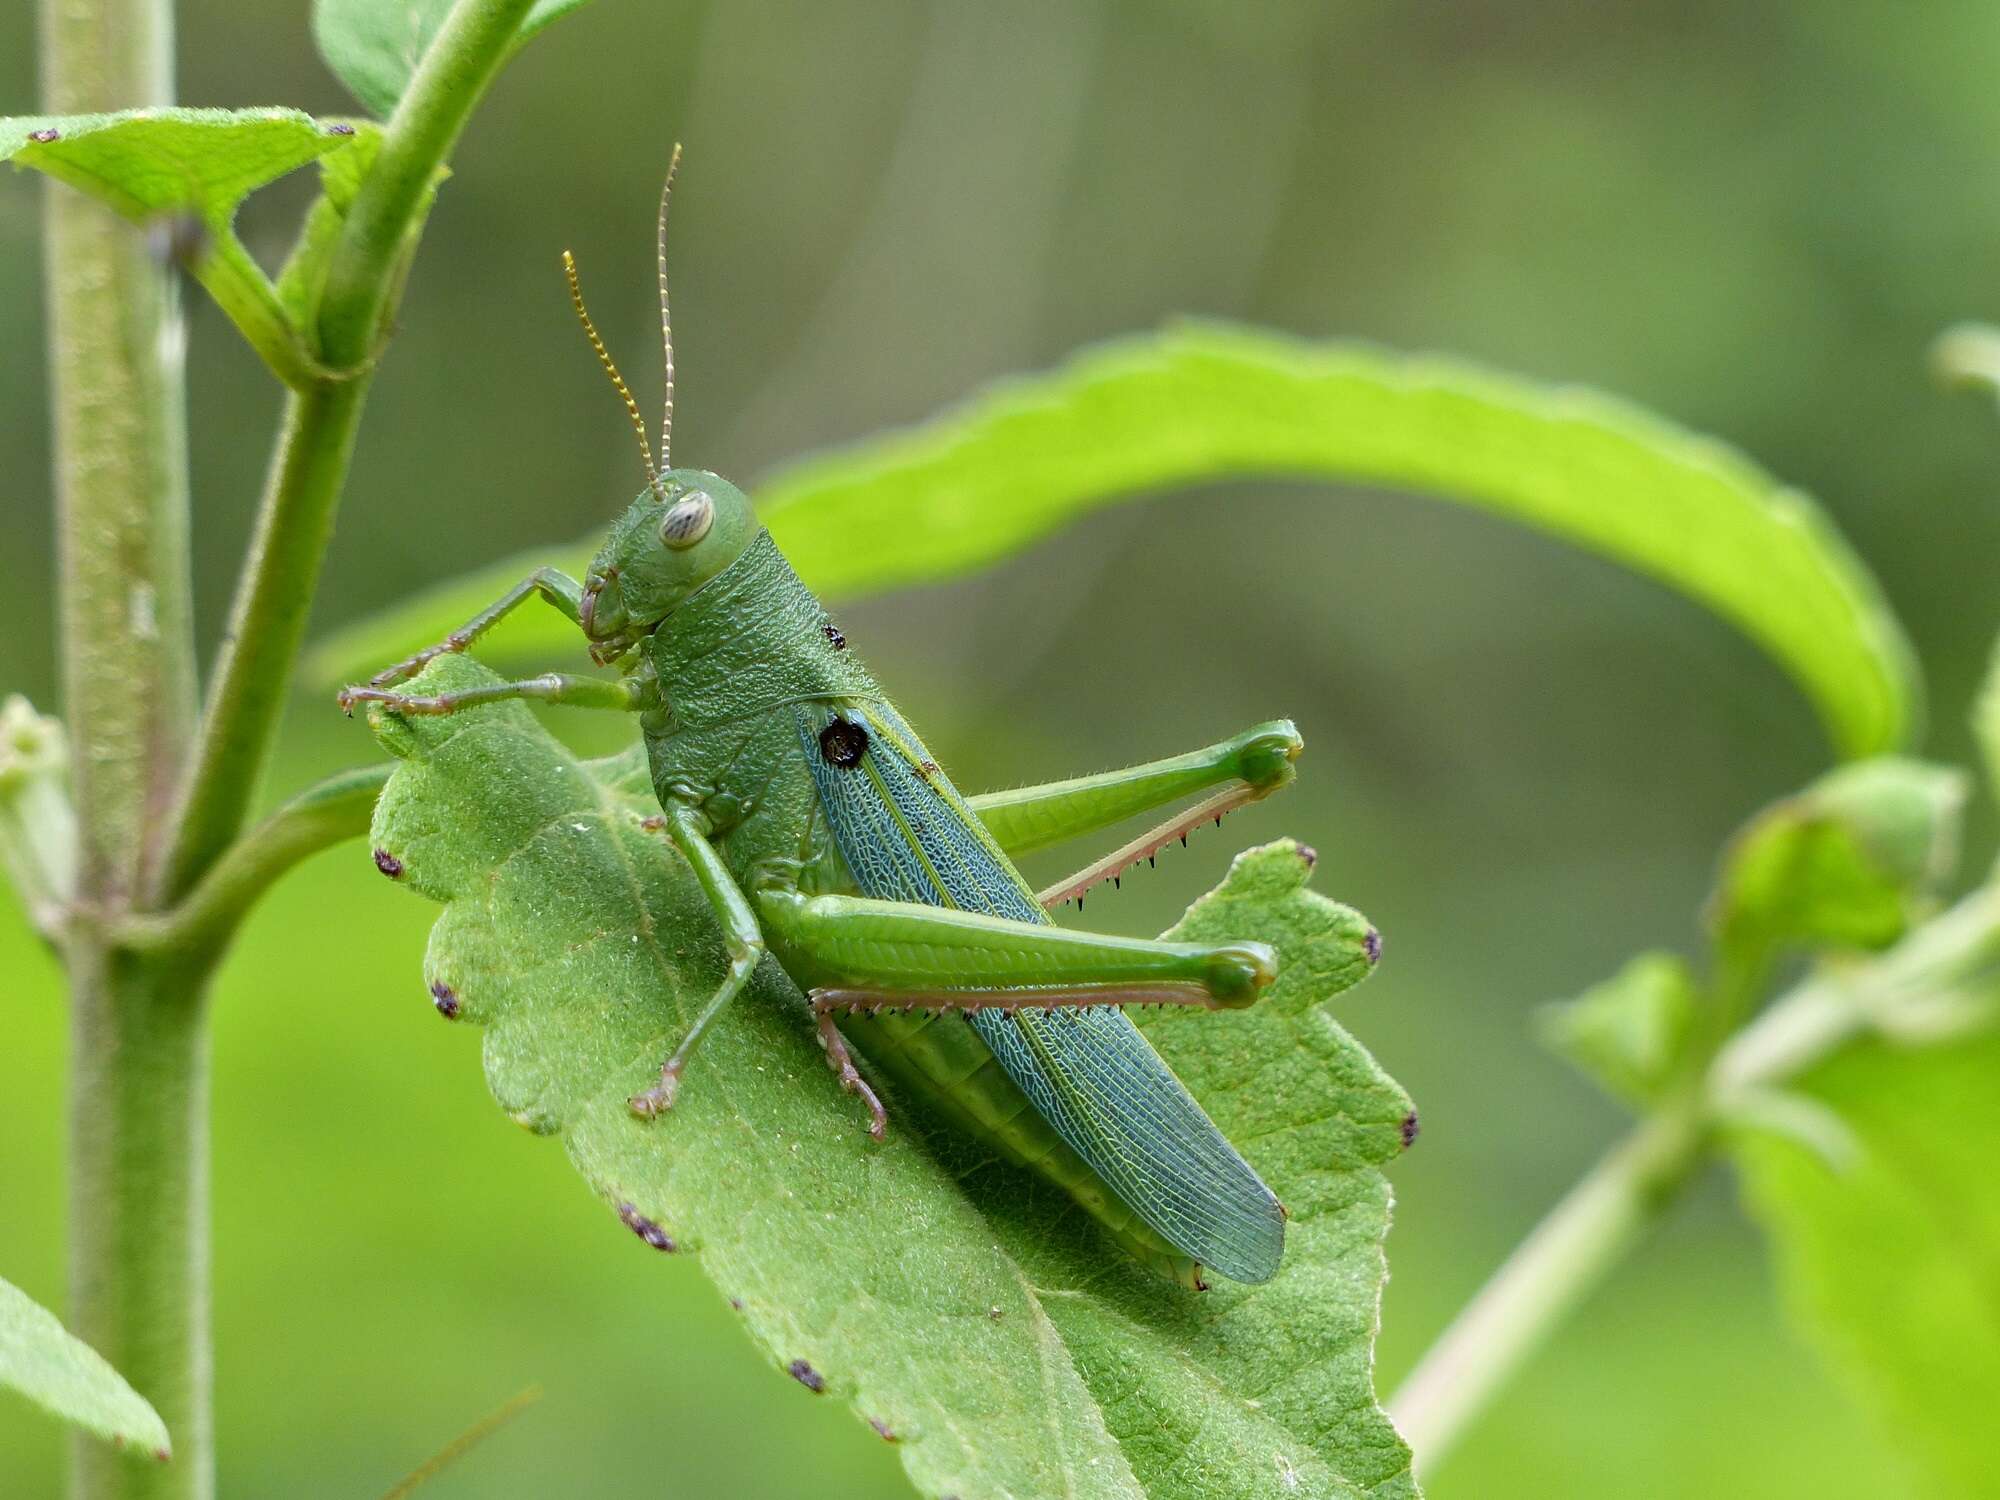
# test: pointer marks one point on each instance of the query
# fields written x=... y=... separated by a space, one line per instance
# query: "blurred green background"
x=1521 y=760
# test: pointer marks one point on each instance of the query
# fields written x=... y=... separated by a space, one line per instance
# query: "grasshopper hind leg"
x=829 y=1004
x=841 y=1060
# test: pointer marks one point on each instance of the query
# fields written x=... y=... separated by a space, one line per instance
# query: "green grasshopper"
x=824 y=834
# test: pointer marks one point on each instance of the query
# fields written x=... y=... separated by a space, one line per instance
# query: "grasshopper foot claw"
x=658 y=1099
x=841 y=1061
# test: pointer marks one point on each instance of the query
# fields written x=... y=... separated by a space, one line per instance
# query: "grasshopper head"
x=671 y=541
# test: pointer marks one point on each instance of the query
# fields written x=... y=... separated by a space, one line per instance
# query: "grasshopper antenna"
x=617 y=380
x=666 y=321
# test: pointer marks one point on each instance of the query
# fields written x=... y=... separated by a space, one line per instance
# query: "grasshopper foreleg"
x=557 y=587
x=627 y=694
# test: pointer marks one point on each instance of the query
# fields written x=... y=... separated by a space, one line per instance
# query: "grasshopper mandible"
x=824 y=834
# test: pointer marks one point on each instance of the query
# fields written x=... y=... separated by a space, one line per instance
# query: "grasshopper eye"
x=687 y=520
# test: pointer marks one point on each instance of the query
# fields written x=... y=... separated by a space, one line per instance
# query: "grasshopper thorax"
x=676 y=536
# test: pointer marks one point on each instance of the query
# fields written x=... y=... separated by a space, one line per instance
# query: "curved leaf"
x=969 y=1311
x=1204 y=403
x=60 y=1372
x=373 y=46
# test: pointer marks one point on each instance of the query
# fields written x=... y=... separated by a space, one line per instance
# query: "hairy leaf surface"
x=58 y=1371
x=373 y=46
x=1206 y=403
x=964 y=1307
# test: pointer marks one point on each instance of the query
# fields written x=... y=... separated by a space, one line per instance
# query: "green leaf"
x=1203 y=404
x=968 y=1309
x=1629 y=1032
x=61 y=1373
x=152 y=163
x=1891 y=1265
x=1849 y=862
x=373 y=46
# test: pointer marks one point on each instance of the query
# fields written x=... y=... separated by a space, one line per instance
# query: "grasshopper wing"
x=907 y=835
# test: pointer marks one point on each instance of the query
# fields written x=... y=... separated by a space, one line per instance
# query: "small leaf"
x=1205 y=404
x=61 y=1373
x=152 y=163
x=969 y=1308
x=374 y=46
x=1890 y=1264
x=1847 y=863
x=1629 y=1032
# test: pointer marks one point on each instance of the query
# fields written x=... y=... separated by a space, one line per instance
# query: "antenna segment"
x=610 y=369
x=666 y=321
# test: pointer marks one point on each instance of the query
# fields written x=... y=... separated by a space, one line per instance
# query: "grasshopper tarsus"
x=658 y=1099
x=841 y=1061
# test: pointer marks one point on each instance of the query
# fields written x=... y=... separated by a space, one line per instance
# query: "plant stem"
x=115 y=355
x=138 y=1207
x=468 y=51
x=275 y=592
x=267 y=624
x=1585 y=1236
x=1561 y=1261
x=138 y=1133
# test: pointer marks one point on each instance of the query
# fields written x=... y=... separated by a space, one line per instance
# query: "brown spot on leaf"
x=340 y=129
x=43 y=137
x=646 y=1229
x=1371 y=944
x=1410 y=1129
x=445 y=998
x=388 y=864
x=883 y=1429
x=1309 y=854
x=806 y=1376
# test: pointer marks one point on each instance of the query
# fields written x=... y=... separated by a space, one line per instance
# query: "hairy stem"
x=138 y=1211
x=138 y=1128
x=1585 y=1236
x=275 y=593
